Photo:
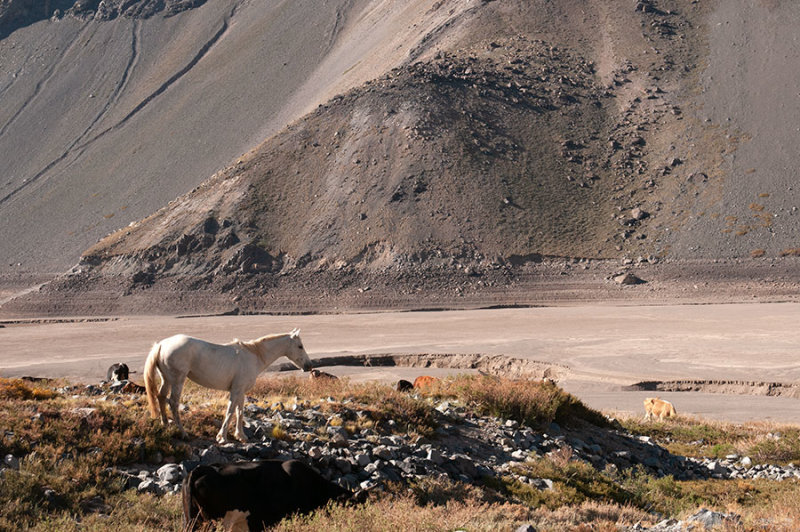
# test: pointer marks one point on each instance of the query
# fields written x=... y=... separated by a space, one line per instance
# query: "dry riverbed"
x=595 y=351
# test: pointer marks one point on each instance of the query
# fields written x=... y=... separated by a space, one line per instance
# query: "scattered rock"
x=11 y=461
x=171 y=473
x=710 y=519
x=628 y=279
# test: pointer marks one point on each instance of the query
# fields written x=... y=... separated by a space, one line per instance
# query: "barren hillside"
x=475 y=140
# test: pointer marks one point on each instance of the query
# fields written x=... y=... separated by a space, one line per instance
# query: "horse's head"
x=296 y=352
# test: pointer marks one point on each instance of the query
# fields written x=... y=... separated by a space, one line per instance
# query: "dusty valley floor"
x=740 y=360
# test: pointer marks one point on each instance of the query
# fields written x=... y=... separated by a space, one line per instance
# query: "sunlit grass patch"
x=534 y=403
x=16 y=389
x=763 y=442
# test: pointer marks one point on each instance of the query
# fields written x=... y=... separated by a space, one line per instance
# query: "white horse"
x=233 y=366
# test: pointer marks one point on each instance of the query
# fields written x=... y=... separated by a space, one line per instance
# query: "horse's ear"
x=295 y=333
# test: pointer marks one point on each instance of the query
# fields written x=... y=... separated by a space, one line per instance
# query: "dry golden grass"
x=763 y=441
x=77 y=440
x=20 y=389
x=405 y=513
x=534 y=403
x=379 y=402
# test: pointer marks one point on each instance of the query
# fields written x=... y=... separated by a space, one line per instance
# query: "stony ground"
x=464 y=447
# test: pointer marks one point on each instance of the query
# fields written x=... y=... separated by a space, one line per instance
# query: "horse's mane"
x=252 y=345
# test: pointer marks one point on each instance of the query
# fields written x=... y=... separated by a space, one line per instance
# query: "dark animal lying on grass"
x=262 y=493
x=118 y=372
x=321 y=375
x=404 y=386
x=132 y=387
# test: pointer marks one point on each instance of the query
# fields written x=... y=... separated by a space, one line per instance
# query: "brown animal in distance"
x=653 y=406
x=424 y=381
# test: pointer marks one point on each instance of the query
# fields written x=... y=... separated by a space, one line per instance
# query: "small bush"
x=762 y=442
x=534 y=403
x=18 y=389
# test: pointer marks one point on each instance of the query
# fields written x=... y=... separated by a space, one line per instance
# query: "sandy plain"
x=597 y=350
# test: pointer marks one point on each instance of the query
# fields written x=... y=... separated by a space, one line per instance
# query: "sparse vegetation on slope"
x=763 y=442
x=65 y=450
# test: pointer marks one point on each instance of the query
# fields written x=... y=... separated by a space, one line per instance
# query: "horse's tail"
x=150 y=369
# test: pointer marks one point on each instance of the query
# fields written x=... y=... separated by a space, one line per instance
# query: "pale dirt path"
x=604 y=346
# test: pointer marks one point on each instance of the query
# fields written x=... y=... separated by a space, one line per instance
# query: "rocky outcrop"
x=18 y=13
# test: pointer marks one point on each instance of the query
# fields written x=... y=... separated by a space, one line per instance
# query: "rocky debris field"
x=704 y=519
x=464 y=447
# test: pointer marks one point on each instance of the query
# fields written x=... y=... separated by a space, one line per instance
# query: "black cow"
x=117 y=372
x=265 y=491
x=404 y=386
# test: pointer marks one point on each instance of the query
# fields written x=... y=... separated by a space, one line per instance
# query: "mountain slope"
x=505 y=134
x=105 y=120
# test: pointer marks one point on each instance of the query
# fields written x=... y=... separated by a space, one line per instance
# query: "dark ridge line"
x=335 y=30
x=175 y=77
x=41 y=83
x=164 y=86
x=123 y=82
x=135 y=30
x=167 y=84
x=42 y=321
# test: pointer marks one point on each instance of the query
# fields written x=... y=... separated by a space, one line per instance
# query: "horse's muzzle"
x=307 y=367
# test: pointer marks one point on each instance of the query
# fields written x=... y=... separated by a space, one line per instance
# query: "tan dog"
x=423 y=381
x=653 y=406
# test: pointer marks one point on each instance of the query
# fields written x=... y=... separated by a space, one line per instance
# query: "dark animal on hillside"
x=118 y=372
x=423 y=381
x=404 y=386
x=35 y=379
x=262 y=493
x=321 y=375
x=132 y=387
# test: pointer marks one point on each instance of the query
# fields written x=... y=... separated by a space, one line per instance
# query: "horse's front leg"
x=239 y=402
x=222 y=435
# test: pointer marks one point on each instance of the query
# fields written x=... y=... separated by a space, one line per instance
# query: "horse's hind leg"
x=175 y=401
x=163 y=391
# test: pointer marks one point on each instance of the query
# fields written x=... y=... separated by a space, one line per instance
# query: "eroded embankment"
x=772 y=389
x=499 y=365
x=511 y=367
